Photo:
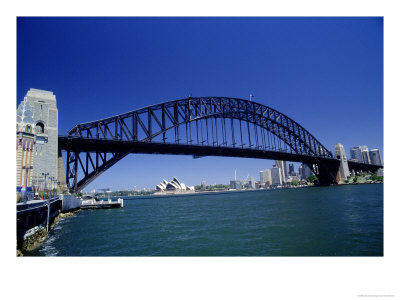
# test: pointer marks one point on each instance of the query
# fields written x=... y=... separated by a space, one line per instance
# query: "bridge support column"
x=76 y=172
x=328 y=173
x=62 y=185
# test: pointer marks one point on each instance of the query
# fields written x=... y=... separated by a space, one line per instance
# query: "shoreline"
x=40 y=235
x=204 y=193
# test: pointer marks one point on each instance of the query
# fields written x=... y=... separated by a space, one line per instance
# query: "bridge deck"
x=117 y=146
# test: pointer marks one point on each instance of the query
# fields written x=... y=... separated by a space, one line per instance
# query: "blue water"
x=319 y=221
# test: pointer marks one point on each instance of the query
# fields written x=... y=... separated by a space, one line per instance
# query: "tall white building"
x=358 y=153
x=265 y=177
x=252 y=183
x=375 y=157
x=365 y=156
x=344 y=167
x=282 y=166
x=276 y=176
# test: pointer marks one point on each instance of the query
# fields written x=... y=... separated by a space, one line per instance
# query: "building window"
x=39 y=127
x=28 y=128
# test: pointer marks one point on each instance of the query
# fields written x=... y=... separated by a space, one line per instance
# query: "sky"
x=325 y=73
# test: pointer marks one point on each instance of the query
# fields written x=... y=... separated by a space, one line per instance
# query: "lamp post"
x=55 y=187
x=26 y=182
x=48 y=200
x=45 y=186
x=51 y=186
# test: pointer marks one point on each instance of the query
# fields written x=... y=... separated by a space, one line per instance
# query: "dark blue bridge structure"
x=198 y=126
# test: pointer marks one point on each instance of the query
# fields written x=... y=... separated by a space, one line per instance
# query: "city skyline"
x=310 y=69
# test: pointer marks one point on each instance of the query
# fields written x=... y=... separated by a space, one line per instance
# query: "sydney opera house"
x=173 y=186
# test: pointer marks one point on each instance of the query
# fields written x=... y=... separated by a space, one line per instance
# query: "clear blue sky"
x=325 y=73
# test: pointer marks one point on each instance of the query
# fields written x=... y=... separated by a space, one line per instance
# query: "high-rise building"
x=265 y=177
x=301 y=171
x=252 y=183
x=276 y=176
x=291 y=170
x=344 y=167
x=375 y=157
x=45 y=116
x=358 y=153
x=365 y=156
x=282 y=166
x=285 y=168
x=305 y=171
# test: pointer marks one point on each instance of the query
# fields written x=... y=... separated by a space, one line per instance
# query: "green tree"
x=312 y=179
x=376 y=177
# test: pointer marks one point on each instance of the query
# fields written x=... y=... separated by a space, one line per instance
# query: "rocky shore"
x=36 y=236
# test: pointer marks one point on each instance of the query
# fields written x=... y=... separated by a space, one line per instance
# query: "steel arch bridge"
x=198 y=126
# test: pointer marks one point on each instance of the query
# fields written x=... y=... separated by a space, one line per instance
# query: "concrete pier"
x=95 y=204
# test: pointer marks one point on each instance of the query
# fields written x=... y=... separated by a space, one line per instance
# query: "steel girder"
x=219 y=119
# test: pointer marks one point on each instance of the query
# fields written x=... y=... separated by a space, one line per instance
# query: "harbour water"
x=319 y=221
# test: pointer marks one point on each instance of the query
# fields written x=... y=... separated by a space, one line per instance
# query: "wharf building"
x=344 y=172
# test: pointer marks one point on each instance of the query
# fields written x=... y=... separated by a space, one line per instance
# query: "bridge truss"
x=197 y=126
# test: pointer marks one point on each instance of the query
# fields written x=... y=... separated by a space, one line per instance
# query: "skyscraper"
x=301 y=172
x=285 y=168
x=291 y=169
x=358 y=153
x=252 y=183
x=365 y=156
x=276 y=176
x=375 y=157
x=306 y=171
x=344 y=167
x=282 y=166
x=265 y=177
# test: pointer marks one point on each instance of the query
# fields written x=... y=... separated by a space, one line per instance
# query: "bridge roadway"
x=118 y=146
x=80 y=145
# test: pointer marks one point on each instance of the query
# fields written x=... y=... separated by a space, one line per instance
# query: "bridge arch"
x=178 y=122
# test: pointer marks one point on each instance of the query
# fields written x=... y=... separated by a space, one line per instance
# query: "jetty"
x=96 y=204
